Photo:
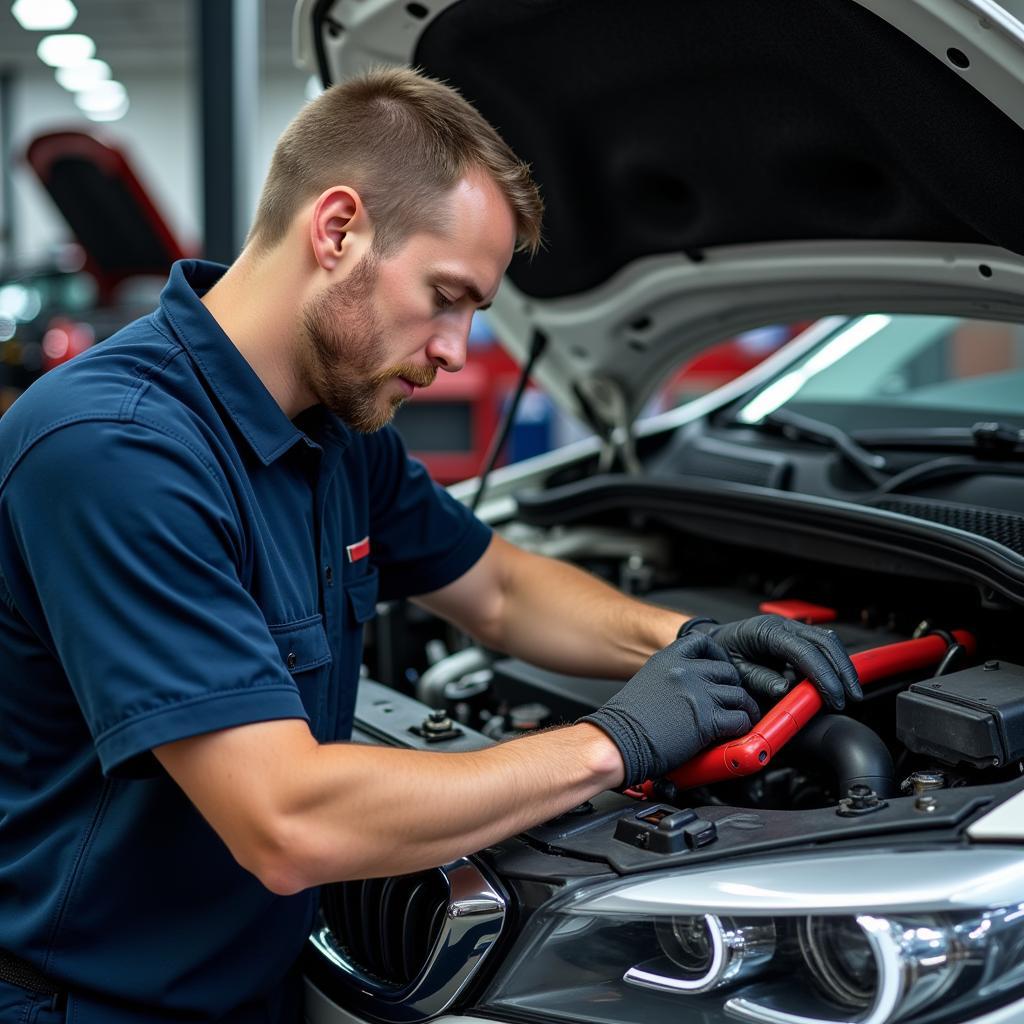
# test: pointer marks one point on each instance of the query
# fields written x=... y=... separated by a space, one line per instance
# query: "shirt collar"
x=245 y=398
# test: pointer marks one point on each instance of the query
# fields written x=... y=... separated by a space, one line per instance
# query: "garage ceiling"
x=140 y=35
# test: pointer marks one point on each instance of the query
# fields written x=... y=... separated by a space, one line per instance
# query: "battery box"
x=973 y=717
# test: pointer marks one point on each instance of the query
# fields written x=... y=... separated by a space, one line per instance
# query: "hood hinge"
x=608 y=413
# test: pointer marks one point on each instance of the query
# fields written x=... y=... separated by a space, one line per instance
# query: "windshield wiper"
x=990 y=438
x=987 y=440
x=991 y=448
x=803 y=428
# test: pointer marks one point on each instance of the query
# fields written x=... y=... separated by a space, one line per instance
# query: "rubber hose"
x=854 y=751
x=430 y=686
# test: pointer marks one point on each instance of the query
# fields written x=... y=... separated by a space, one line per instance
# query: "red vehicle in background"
x=124 y=249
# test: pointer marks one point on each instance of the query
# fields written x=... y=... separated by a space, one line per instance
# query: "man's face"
x=391 y=324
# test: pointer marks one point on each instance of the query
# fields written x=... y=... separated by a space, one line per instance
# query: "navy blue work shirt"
x=177 y=556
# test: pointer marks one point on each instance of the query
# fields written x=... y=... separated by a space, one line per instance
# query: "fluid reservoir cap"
x=526 y=717
x=922 y=782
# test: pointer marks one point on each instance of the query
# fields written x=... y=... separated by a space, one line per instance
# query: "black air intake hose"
x=854 y=752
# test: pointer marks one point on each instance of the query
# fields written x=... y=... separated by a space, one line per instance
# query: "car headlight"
x=874 y=938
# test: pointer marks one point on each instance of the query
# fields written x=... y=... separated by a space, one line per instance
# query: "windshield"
x=897 y=370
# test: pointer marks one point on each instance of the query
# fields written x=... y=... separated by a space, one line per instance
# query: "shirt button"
x=329 y=575
x=292 y=660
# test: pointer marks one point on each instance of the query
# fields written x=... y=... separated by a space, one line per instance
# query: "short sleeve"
x=423 y=539
x=122 y=549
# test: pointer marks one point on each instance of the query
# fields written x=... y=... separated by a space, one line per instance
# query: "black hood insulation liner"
x=676 y=125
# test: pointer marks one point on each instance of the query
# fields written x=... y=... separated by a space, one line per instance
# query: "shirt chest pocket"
x=306 y=655
x=361 y=596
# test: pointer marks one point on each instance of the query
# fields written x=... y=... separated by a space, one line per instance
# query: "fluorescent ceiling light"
x=64 y=50
x=19 y=302
x=113 y=114
x=101 y=97
x=44 y=15
x=84 y=75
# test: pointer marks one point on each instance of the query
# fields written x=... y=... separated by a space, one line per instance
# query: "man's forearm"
x=566 y=620
x=344 y=811
x=476 y=799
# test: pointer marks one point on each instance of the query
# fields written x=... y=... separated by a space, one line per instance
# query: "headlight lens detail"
x=704 y=953
x=881 y=970
x=840 y=959
x=590 y=960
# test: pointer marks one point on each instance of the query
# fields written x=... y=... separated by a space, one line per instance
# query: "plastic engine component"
x=973 y=717
x=800 y=611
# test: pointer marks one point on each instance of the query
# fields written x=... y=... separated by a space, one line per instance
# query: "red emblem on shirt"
x=358 y=550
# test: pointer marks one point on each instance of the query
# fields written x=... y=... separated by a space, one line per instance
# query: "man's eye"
x=441 y=300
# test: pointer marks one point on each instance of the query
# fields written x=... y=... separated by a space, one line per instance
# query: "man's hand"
x=685 y=698
x=764 y=643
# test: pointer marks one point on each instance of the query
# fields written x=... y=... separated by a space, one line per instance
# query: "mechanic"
x=196 y=520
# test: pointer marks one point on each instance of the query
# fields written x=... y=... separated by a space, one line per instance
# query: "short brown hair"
x=402 y=140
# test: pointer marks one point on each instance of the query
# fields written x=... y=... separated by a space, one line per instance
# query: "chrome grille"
x=402 y=949
x=387 y=926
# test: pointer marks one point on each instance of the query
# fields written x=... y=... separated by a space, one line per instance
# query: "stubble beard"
x=346 y=347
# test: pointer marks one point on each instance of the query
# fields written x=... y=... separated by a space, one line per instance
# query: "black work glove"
x=685 y=698
x=761 y=645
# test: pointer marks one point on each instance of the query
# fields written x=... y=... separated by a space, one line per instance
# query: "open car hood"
x=711 y=166
x=115 y=220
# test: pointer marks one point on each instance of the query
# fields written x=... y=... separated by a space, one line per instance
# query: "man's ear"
x=337 y=226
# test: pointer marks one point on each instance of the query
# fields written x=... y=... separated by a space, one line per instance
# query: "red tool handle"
x=750 y=753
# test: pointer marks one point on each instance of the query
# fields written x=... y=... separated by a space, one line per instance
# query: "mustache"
x=420 y=376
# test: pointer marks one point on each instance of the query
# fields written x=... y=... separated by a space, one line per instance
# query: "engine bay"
x=949 y=723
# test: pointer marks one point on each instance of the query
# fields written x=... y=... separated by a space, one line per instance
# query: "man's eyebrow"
x=458 y=281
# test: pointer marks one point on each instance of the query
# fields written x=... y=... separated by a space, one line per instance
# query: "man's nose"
x=447 y=348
